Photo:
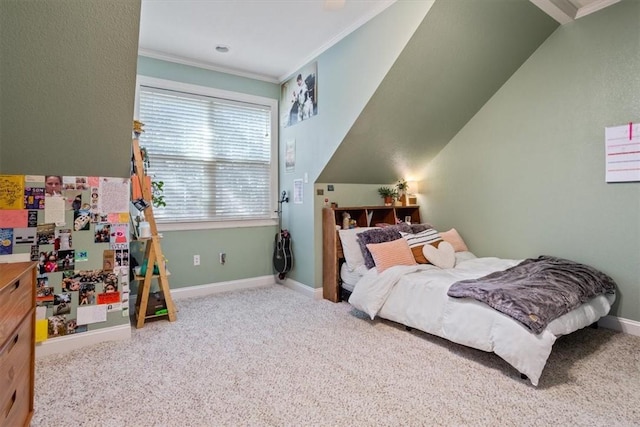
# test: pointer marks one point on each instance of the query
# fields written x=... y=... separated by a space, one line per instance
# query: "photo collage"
x=77 y=230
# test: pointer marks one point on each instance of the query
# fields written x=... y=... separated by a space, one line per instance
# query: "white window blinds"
x=213 y=155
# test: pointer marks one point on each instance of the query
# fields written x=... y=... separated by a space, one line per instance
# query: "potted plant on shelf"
x=388 y=194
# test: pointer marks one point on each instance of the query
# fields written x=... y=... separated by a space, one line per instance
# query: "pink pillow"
x=454 y=238
x=388 y=254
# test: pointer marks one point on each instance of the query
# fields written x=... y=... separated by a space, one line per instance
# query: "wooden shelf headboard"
x=365 y=216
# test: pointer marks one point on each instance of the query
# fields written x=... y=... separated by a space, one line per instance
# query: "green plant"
x=402 y=185
x=385 y=192
x=157 y=198
x=157 y=187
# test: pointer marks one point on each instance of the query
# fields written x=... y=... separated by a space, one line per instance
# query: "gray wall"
x=526 y=175
x=67 y=86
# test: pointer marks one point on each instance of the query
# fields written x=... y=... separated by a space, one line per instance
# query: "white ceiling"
x=271 y=39
x=267 y=39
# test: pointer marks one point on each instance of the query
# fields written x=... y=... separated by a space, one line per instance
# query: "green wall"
x=67 y=86
x=348 y=74
x=459 y=56
x=526 y=175
x=250 y=249
x=67 y=80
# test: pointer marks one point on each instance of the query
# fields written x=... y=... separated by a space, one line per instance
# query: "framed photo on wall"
x=299 y=96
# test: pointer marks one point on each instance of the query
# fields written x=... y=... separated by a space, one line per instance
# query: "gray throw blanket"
x=536 y=291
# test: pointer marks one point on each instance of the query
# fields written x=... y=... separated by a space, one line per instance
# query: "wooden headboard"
x=365 y=216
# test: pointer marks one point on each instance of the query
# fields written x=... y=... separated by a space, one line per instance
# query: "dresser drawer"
x=15 y=410
x=15 y=359
x=16 y=300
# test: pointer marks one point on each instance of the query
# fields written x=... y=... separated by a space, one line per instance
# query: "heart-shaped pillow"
x=444 y=256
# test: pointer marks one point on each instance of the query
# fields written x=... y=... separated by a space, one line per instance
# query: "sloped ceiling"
x=460 y=55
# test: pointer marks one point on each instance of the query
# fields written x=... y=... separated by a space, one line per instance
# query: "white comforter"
x=416 y=296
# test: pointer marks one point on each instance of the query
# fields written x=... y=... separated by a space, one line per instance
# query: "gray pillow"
x=419 y=228
x=381 y=235
x=402 y=226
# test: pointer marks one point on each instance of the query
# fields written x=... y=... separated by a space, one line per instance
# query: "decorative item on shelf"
x=144 y=230
x=412 y=199
x=137 y=128
x=346 y=220
x=402 y=187
x=389 y=194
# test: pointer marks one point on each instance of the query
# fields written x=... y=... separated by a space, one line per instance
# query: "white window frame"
x=234 y=96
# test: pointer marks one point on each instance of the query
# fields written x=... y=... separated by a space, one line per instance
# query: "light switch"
x=306 y=178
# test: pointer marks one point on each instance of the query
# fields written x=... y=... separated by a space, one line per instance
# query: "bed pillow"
x=351 y=247
x=379 y=235
x=402 y=226
x=418 y=240
x=443 y=256
x=454 y=238
x=389 y=254
x=417 y=228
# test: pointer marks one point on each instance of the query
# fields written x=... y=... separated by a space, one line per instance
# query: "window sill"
x=180 y=226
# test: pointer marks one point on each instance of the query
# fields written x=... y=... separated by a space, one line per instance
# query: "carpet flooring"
x=273 y=357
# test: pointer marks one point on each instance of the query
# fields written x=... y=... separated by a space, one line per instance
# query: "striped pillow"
x=416 y=241
x=388 y=254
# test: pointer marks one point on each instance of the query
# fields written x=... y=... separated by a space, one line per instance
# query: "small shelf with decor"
x=153 y=257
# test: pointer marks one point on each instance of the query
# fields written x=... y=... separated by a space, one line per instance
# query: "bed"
x=417 y=296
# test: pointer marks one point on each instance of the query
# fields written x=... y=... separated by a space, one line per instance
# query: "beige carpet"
x=273 y=357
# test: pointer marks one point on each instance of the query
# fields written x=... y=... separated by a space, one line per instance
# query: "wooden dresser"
x=17 y=342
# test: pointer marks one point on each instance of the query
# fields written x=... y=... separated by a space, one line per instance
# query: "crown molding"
x=149 y=53
x=363 y=20
x=565 y=11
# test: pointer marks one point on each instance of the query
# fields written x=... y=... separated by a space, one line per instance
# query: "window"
x=215 y=151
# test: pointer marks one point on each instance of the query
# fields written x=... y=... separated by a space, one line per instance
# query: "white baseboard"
x=75 y=341
x=315 y=293
x=234 y=285
x=212 y=288
x=621 y=324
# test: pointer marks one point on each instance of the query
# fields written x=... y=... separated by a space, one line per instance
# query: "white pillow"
x=351 y=247
x=444 y=256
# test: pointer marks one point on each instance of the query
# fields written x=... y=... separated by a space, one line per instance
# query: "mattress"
x=349 y=278
x=416 y=296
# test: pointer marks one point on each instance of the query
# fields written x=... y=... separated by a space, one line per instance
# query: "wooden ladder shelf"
x=152 y=255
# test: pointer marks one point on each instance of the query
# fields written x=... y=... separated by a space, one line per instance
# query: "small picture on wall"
x=61 y=304
x=57 y=326
x=290 y=155
x=299 y=96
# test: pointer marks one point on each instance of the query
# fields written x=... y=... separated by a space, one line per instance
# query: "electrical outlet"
x=223 y=258
x=196 y=260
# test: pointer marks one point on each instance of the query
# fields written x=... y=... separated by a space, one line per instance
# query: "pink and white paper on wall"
x=623 y=153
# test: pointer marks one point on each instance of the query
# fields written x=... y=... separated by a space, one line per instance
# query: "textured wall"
x=459 y=56
x=526 y=176
x=348 y=74
x=67 y=86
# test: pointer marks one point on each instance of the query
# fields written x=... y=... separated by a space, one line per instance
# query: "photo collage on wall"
x=77 y=229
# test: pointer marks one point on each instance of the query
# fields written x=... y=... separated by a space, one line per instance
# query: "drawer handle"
x=11 y=402
x=9 y=345
x=16 y=286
